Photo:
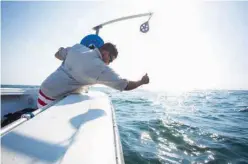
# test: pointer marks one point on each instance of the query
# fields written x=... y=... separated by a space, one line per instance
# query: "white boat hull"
x=80 y=128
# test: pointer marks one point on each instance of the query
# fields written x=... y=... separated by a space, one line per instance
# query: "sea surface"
x=201 y=126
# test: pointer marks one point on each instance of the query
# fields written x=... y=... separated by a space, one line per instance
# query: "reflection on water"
x=187 y=127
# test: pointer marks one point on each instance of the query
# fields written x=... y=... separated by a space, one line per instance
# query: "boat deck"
x=80 y=128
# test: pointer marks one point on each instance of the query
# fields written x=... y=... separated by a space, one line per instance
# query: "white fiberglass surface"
x=78 y=129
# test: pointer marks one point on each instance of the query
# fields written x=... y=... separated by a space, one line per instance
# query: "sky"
x=196 y=45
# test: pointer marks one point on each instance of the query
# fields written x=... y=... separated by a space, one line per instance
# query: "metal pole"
x=97 y=28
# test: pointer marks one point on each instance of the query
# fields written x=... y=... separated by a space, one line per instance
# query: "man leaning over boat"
x=83 y=66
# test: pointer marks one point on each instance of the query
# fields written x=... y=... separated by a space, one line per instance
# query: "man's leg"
x=43 y=100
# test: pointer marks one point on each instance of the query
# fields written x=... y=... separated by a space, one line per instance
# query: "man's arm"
x=111 y=79
x=132 y=85
x=135 y=84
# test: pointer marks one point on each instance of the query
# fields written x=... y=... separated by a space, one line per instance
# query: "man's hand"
x=145 y=79
x=57 y=54
x=135 y=84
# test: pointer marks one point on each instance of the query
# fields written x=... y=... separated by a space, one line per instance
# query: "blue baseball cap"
x=92 y=41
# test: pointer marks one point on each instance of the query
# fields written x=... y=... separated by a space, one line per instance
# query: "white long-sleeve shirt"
x=81 y=66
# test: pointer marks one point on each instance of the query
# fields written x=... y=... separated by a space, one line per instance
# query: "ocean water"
x=182 y=127
x=208 y=126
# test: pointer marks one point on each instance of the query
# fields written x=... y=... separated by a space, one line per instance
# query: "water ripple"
x=194 y=127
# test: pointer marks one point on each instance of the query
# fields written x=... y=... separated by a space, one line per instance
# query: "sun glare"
x=176 y=53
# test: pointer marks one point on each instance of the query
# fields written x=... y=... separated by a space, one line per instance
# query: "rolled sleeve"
x=111 y=79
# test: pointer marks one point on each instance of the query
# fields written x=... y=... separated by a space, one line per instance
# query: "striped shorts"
x=43 y=100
